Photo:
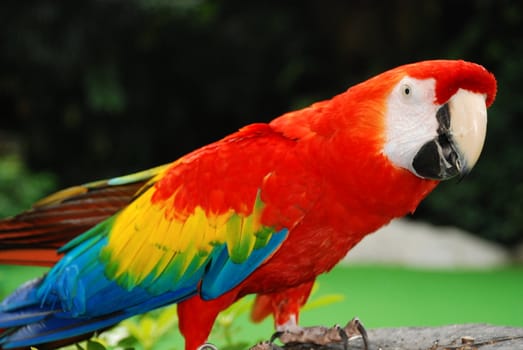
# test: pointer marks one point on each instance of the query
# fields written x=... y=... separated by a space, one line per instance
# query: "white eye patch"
x=410 y=119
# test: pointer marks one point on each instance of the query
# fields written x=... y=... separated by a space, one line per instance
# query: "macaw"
x=262 y=211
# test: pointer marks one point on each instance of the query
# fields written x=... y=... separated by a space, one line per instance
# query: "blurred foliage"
x=101 y=88
x=19 y=188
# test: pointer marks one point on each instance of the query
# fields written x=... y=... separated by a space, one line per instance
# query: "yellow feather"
x=166 y=230
x=128 y=239
x=154 y=240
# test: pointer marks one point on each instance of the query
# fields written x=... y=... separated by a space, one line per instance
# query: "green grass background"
x=395 y=296
x=382 y=297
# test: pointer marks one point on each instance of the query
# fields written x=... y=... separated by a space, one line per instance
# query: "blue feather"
x=23 y=296
x=223 y=274
x=20 y=318
x=77 y=298
x=55 y=328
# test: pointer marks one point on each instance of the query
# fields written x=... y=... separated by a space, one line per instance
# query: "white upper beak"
x=462 y=125
x=468 y=124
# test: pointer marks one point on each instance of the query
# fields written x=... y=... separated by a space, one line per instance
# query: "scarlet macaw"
x=264 y=210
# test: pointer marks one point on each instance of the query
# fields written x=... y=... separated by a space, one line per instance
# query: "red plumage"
x=321 y=172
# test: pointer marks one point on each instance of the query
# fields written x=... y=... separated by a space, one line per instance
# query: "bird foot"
x=318 y=335
x=266 y=345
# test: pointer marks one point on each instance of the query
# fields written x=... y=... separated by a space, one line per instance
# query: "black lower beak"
x=459 y=138
x=439 y=160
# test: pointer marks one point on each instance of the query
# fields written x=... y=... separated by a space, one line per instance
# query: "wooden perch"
x=455 y=337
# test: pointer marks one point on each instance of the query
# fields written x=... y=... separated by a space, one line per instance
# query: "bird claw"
x=267 y=345
x=355 y=329
x=207 y=346
x=320 y=335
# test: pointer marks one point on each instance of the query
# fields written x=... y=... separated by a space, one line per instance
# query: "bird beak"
x=462 y=126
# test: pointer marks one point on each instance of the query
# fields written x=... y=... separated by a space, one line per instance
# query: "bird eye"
x=406 y=90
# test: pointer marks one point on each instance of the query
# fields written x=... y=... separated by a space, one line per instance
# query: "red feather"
x=321 y=173
x=33 y=237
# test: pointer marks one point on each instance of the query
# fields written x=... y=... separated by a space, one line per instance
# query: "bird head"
x=428 y=118
x=436 y=116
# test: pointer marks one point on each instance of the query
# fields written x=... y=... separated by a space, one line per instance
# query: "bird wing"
x=196 y=228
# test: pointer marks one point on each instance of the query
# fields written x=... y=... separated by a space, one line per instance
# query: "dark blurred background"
x=95 y=89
